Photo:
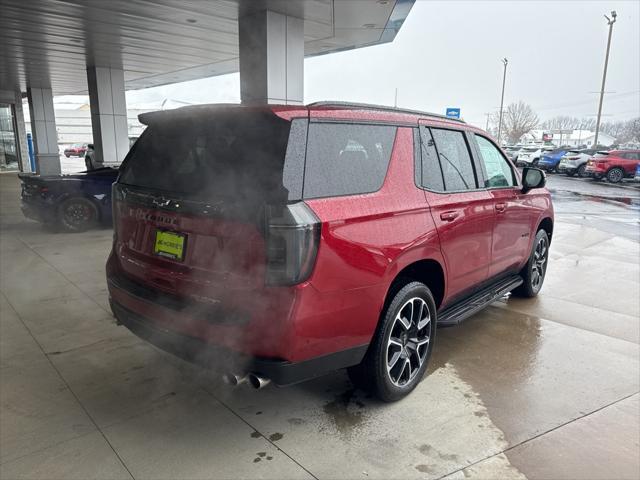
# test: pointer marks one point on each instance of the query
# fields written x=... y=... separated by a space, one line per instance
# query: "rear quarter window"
x=346 y=159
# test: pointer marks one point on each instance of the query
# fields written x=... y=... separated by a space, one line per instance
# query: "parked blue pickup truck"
x=73 y=203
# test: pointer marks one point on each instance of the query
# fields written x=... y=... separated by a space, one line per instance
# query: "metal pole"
x=610 y=22
x=504 y=78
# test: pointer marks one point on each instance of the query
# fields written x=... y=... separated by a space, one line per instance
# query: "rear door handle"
x=501 y=207
x=449 y=216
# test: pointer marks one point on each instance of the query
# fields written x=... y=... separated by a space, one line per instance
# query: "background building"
x=572 y=138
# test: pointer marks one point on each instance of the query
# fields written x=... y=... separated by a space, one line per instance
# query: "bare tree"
x=561 y=122
x=492 y=123
x=587 y=123
x=632 y=131
x=615 y=129
x=518 y=119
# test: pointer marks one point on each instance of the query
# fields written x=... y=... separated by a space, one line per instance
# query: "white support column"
x=108 y=114
x=43 y=128
x=271 y=58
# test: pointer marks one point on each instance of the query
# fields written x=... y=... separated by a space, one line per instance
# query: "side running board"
x=462 y=310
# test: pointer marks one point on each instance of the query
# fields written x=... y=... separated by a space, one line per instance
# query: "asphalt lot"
x=542 y=388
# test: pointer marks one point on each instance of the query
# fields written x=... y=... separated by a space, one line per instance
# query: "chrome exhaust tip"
x=257 y=381
x=233 y=379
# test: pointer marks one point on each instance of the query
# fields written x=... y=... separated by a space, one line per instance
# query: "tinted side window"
x=499 y=172
x=430 y=173
x=455 y=160
x=346 y=159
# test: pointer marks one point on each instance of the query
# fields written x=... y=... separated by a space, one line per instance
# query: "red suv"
x=75 y=150
x=613 y=165
x=278 y=243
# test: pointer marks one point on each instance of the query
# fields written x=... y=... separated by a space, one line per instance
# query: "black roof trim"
x=384 y=108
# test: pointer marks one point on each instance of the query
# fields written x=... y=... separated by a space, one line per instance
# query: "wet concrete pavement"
x=542 y=388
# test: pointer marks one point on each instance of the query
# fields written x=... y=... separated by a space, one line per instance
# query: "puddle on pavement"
x=573 y=196
x=345 y=411
x=443 y=403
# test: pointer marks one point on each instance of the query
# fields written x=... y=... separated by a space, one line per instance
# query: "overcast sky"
x=448 y=53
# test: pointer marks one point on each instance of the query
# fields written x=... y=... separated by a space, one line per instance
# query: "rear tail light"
x=292 y=239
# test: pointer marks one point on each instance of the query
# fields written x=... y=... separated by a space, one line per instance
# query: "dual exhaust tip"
x=256 y=381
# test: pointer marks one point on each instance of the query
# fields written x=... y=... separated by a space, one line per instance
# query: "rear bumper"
x=594 y=174
x=38 y=211
x=547 y=166
x=223 y=360
x=566 y=169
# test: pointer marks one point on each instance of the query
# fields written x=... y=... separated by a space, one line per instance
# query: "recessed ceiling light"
x=191 y=20
x=369 y=25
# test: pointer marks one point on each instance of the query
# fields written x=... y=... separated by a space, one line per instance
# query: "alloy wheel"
x=539 y=264
x=408 y=342
x=615 y=175
x=77 y=214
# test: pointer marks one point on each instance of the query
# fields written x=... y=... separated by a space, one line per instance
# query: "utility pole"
x=486 y=128
x=610 y=22
x=395 y=99
x=504 y=78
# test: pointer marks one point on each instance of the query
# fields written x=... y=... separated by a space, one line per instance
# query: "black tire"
x=409 y=349
x=581 y=170
x=67 y=155
x=615 y=175
x=77 y=214
x=535 y=270
x=535 y=162
x=570 y=173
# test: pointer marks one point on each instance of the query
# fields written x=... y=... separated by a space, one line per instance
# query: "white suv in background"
x=529 y=155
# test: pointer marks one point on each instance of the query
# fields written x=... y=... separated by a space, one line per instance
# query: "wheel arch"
x=547 y=225
x=427 y=271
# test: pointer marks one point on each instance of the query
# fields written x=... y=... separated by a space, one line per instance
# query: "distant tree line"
x=519 y=118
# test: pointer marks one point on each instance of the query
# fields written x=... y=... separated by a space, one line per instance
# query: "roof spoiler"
x=184 y=112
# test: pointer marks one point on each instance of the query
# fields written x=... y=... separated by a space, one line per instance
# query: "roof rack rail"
x=368 y=106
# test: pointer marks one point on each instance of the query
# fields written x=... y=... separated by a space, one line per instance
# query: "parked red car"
x=613 y=165
x=283 y=242
x=76 y=150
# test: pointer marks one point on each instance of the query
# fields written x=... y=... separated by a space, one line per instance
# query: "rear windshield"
x=235 y=154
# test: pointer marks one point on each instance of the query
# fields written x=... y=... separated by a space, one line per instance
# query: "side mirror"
x=532 y=178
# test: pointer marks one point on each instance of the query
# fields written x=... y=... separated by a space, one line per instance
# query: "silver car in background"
x=575 y=161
